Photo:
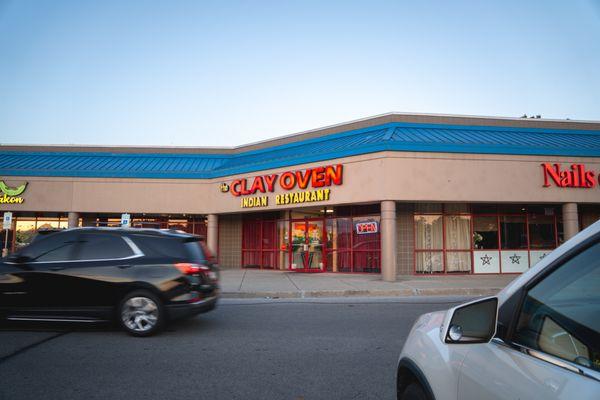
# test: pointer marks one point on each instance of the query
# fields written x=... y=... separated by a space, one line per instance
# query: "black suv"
x=141 y=277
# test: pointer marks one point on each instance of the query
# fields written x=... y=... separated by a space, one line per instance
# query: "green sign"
x=12 y=195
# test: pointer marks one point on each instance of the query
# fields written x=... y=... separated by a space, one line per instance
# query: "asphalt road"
x=245 y=349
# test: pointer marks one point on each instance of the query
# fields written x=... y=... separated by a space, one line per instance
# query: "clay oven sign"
x=304 y=186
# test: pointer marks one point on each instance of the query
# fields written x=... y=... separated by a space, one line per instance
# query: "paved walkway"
x=243 y=283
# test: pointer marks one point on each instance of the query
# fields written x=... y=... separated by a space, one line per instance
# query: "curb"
x=363 y=293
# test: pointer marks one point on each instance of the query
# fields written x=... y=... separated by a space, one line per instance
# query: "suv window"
x=560 y=315
x=99 y=246
x=196 y=252
x=54 y=247
x=159 y=246
x=164 y=246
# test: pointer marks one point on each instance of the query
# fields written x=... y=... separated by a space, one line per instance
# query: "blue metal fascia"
x=218 y=172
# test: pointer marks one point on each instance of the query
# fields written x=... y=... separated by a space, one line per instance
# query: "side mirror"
x=474 y=322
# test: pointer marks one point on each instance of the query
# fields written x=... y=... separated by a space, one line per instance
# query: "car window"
x=98 y=246
x=196 y=252
x=159 y=246
x=55 y=247
x=561 y=314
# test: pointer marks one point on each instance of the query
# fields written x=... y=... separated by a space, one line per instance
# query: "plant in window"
x=477 y=239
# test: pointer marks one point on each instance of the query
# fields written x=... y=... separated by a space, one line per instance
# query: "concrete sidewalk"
x=249 y=283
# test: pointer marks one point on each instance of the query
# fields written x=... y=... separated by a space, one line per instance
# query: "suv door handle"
x=56 y=268
x=124 y=266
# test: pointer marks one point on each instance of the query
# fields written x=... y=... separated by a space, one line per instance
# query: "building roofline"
x=399 y=117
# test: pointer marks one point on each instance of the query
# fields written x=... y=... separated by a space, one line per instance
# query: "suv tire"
x=141 y=313
x=414 y=391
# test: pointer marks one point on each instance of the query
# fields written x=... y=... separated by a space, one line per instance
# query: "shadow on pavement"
x=183 y=325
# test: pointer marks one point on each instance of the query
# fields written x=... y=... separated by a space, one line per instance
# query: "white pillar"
x=570 y=220
x=212 y=233
x=73 y=220
x=388 y=240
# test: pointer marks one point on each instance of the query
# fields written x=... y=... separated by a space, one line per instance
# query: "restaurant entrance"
x=333 y=239
x=307 y=249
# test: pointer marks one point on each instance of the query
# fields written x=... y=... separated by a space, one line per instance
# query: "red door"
x=307 y=253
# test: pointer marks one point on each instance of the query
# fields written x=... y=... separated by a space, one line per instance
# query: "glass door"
x=307 y=246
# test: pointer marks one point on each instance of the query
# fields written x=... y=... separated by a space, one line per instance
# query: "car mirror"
x=474 y=322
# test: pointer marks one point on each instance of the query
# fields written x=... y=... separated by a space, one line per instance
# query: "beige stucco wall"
x=374 y=177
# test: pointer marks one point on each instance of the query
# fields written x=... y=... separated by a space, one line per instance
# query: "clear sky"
x=225 y=73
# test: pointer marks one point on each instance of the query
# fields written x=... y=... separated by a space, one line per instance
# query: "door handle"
x=56 y=268
x=124 y=266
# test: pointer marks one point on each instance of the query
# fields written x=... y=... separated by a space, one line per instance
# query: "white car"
x=538 y=339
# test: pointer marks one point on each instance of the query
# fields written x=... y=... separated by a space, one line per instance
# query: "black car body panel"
x=84 y=273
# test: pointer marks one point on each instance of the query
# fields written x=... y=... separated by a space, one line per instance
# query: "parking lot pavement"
x=246 y=349
x=14 y=341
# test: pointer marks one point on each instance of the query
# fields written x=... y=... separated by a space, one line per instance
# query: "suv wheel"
x=141 y=313
x=414 y=391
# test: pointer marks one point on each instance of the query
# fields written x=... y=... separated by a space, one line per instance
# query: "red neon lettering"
x=554 y=174
x=234 y=185
x=287 y=181
x=576 y=175
x=589 y=179
x=257 y=185
x=244 y=185
x=270 y=179
x=566 y=179
x=303 y=179
x=318 y=177
x=333 y=175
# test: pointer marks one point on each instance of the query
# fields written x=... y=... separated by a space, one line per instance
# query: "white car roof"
x=585 y=234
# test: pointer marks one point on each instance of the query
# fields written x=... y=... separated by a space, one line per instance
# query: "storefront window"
x=541 y=232
x=283 y=235
x=429 y=261
x=480 y=243
x=485 y=235
x=270 y=250
x=339 y=244
x=26 y=230
x=458 y=261
x=514 y=232
x=429 y=236
x=429 y=208
x=27 y=227
x=251 y=251
x=178 y=224
x=48 y=224
x=458 y=237
x=366 y=244
x=260 y=244
x=428 y=230
x=458 y=232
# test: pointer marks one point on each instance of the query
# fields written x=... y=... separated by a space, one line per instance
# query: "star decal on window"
x=514 y=259
x=485 y=260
